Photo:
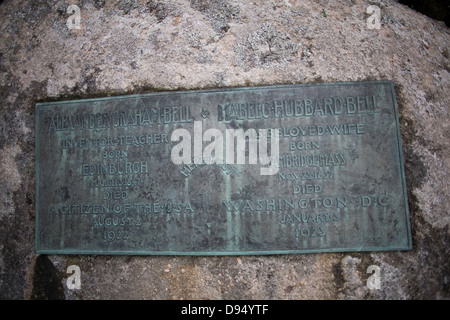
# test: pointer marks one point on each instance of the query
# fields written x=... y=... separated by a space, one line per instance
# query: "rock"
x=138 y=46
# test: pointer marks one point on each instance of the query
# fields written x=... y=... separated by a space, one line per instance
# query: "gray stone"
x=147 y=46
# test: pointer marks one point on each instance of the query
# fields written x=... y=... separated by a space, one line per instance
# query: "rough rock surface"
x=137 y=46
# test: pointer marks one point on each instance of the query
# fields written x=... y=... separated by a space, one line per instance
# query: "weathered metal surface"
x=106 y=181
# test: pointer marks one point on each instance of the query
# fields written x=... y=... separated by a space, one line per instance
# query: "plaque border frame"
x=409 y=245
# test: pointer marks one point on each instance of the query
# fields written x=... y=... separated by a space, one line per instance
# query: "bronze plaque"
x=262 y=170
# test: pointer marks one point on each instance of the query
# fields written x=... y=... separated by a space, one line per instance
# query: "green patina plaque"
x=200 y=173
